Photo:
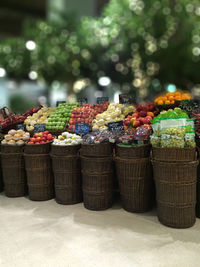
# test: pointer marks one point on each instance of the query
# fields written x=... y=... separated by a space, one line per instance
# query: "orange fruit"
x=186 y=96
x=164 y=98
x=172 y=101
x=179 y=98
x=167 y=102
x=177 y=93
x=171 y=98
x=160 y=102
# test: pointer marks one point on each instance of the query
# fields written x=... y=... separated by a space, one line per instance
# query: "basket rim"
x=124 y=146
x=97 y=158
x=174 y=148
x=98 y=144
x=127 y=160
x=194 y=162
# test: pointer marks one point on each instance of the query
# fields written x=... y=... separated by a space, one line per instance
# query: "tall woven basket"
x=135 y=183
x=1 y=177
x=39 y=176
x=67 y=176
x=97 y=190
x=14 y=177
x=176 y=192
x=59 y=150
x=198 y=193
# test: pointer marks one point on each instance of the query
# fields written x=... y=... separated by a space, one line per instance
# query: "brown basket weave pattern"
x=38 y=149
x=37 y=161
x=133 y=167
x=39 y=176
x=176 y=192
x=174 y=154
x=97 y=165
x=13 y=174
x=12 y=149
x=65 y=163
x=133 y=152
x=175 y=216
x=97 y=150
x=16 y=190
x=98 y=190
x=65 y=150
x=184 y=172
x=198 y=193
x=41 y=193
x=68 y=188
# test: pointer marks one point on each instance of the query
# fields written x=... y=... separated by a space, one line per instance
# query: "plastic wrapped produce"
x=155 y=140
x=190 y=139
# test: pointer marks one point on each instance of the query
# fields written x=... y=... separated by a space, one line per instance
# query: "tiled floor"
x=45 y=234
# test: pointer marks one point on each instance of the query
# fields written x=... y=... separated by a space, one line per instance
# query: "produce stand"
x=150 y=151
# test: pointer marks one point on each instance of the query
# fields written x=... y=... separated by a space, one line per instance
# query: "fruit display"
x=14 y=137
x=112 y=114
x=170 y=98
x=173 y=128
x=86 y=114
x=58 y=121
x=13 y=120
x=102 y=137
x=142 y=116
x=67 y=139
x=38 y=118
x=40 y=138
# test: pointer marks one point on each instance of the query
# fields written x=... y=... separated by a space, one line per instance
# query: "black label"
x=101 y=100
x=39 y=128
x=116 y=126
x=21 y=127
x=0 y=128
x=83 y=100
x=82 y=128
x=126 y=99
x=60 y=102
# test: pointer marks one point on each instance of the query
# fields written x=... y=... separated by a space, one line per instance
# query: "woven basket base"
x=16 y=190
x=41 y=193
x=68 y=196
x=137 y=205
x=97 y=202
x=176 y=217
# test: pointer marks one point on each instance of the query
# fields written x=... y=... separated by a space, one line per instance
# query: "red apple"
x=37 y=143
x=146 y=120
x=137 y=123
x=32 y=139
x=31 y=143
x=143 y=113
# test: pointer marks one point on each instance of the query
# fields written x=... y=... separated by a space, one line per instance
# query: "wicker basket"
x=68 y=188
x=14 y=177
x=198 y=193
x=176 y=216
x=65 y=150
x=174 y=154
x=97 y=165
x=135 y=184
x=65 y=163
x=12 y=148
x=97 y=191
x=97 y=150
x=135 y=152
x=38 y=149
x=176 y=192
x=39 y=176
x=41 y=193
x=133 y=167
x=16 y=190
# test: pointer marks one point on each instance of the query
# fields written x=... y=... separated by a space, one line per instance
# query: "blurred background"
x=66 y=49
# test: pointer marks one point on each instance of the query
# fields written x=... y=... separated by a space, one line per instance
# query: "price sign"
x=60 y=102
x=39 y=128
x=83 y=100
x=21 y=127
x=0 y=128
x=82 y=128
x=101 y=100
x=116 y=126
x=126 y=99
